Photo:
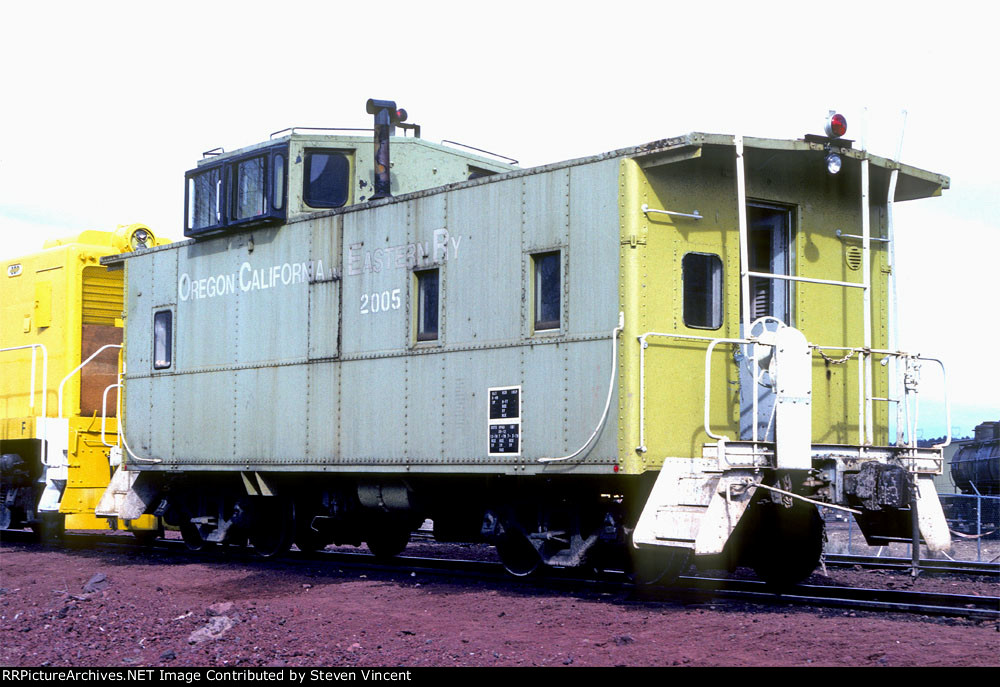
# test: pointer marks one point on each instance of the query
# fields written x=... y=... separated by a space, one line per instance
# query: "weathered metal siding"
x=276 y=375
x=429 y=399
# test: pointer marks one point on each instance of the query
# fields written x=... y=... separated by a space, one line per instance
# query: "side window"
x=237 y=190
x=702 y=275
x=327 y=179
x=204 y=199
x=248 y=201
x=548 y=292
x=427 y=305
x=162 y=340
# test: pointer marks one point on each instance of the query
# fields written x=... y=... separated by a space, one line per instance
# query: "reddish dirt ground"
x=130 y=607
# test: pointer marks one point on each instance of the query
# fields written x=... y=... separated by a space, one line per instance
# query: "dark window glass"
x=249 y=200
x=327 y=179
x=427 y=305
x=204 y=209
x=547 y=291
x=162 y=339
x=479 y=173
x=702 y=275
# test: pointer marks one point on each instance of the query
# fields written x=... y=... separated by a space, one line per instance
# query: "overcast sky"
x=106 y=104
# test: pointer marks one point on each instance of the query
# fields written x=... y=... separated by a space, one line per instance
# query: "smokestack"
x=386 y=118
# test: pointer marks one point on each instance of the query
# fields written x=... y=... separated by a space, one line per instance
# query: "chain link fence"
x=974 y=522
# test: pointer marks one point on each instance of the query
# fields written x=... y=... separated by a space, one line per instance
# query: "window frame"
x=717 y=294
x=419 y=276
x=168 y=342
x=549 y=326
x=227 y=190
x=307 y=154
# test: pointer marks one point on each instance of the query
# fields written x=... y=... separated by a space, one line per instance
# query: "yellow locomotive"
x=60 y=343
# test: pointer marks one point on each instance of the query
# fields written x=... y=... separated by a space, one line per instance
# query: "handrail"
x=45 y=372
x=77 y=369
x=690 y=215
x=104 y=414
x=864 y=356
x=119 y=421
x=31 y=392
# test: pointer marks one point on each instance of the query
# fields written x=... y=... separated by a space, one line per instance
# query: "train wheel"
x=787 y=543
x=388 y=541
x=306 y=538
x=659 y=564
x=517 y=554
x=273 y=527
x=192 y=537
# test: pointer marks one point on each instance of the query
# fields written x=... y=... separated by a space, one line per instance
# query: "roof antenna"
x=902 y=131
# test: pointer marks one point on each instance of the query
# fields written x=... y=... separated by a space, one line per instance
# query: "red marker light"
x=836 y=125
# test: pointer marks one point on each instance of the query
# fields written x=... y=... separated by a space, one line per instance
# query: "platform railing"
x=864 y=358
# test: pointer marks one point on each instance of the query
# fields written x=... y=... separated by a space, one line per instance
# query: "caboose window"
x=249 y=198
x=240 y=191
x=162 y=339
x=327 y=179
x=702 y=276
x=547 y=291
x=204 y=199
x=427 y=305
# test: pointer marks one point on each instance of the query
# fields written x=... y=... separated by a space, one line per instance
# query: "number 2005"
x=381 y=302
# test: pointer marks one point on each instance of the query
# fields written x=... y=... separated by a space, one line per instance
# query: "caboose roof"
x=913 y=183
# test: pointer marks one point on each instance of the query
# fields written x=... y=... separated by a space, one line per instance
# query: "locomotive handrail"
x=77 y=369
x=45 y=385
x=34 y=364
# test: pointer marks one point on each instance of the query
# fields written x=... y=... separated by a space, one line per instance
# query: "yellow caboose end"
x=60 y=339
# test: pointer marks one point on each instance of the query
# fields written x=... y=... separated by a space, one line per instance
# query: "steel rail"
x=686 y=589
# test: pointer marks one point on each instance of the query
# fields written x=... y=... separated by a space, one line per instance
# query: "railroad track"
x=688 y=589
x=925 y=565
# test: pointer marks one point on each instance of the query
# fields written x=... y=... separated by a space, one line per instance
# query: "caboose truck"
x=60 y=335
x=628 y=359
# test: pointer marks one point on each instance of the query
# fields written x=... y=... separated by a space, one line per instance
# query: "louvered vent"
x=103 y=296
x=760 y=303
x=854 y=255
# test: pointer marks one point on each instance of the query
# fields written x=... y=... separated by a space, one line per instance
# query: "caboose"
x=668 y=351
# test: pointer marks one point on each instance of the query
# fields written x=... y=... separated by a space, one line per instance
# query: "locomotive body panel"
x=60 y=334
